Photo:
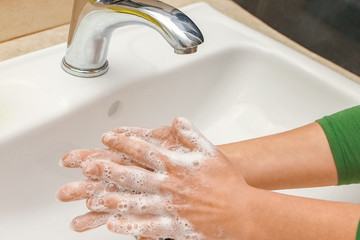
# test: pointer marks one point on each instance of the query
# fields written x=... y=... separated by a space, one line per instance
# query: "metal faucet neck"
x=93 y=22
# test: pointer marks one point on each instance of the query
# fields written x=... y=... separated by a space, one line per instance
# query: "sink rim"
x=247 y=37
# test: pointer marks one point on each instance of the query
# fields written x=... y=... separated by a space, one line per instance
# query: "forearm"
x=276 y=216
x=293 y=159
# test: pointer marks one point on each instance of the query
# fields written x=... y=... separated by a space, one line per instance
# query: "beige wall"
x=22 y=17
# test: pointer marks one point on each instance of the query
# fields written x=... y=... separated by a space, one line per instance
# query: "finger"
x=89 y=221
x=131 y=178
x=83 y=189
x=134 y=131
x=153 y=227
x=130 y=204
x=146 y=226
x=190 y=137
x=166 y=136
x=143 y=152
x=76 y=158
x=162 y=136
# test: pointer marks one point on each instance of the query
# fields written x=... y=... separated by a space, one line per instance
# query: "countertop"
x=54 y=36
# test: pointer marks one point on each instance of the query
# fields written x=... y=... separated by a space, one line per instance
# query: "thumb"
x=190 y=137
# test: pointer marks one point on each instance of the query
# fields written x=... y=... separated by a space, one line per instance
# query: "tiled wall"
x=22 y=17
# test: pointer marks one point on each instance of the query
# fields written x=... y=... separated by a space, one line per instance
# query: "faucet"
x=93 y=22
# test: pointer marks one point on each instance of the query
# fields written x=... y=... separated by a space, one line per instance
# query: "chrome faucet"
x=93 y=22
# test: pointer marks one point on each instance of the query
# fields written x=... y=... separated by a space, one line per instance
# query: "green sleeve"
x=342 y=130
x=358 y=232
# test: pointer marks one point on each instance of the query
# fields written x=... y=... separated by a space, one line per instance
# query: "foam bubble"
x=189 y=160
x=188 y=130
x=146 y=197
x=89 y=189
x=111 y=188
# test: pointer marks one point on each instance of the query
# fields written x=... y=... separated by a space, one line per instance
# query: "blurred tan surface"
x=52 y=14
x=22 y=17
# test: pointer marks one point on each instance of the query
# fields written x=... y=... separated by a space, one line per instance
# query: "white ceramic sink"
x=239 y=85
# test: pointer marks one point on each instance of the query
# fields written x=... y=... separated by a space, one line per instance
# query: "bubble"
x=89 y=188
x=101 y=202
x=111 y=187
x=158 y=204
x=87 y=170
x=129 y=227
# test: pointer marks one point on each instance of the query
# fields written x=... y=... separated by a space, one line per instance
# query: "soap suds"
x=130 y=191
x=187 y=130
x=163 y=226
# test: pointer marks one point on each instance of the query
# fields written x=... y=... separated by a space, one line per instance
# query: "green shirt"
x=342 y=130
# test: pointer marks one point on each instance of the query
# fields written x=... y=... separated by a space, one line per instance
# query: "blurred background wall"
x=330 y=28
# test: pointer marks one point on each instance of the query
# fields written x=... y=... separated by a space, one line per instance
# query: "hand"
x=189 y=189
x=86 y=189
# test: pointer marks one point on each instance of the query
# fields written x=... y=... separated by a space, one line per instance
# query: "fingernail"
x=184 y=122
x=120 y=130
x=63 y=194
x=70 y=159
x=108 y=137
x=59 y=195
x=89 y=203
x=76 y=225
x=61 y=164
x=92 y=170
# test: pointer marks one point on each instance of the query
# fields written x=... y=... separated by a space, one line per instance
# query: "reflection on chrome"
x=93 y=22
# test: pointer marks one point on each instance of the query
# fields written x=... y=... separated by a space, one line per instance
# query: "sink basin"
x=20 y=100
x=240 y=85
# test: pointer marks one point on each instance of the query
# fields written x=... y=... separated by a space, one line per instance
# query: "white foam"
x=188 y=130
x=190 y=161
x=146 y=198
x=162 y=226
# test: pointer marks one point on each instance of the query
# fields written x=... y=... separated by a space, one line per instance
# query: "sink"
x=240 y=85
x=20 y=100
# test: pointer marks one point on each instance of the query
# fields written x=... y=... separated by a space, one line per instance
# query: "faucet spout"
x=93 y=22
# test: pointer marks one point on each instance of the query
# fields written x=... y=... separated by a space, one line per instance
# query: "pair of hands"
x=168 y=182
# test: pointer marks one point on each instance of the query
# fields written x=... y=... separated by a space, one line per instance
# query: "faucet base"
x=84 y=73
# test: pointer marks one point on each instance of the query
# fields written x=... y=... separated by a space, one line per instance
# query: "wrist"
x=236 y=155
x=242 y=217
